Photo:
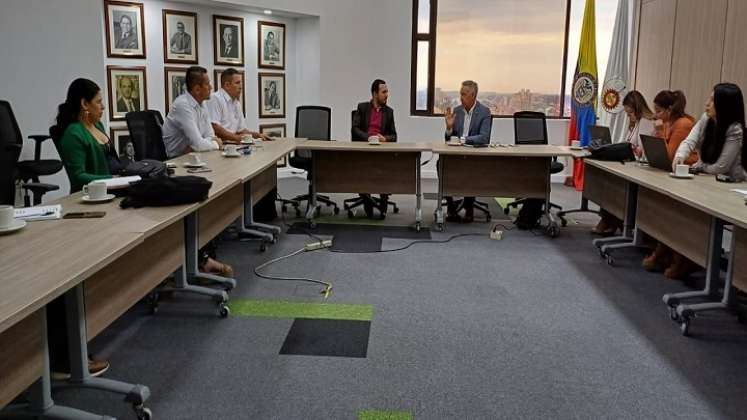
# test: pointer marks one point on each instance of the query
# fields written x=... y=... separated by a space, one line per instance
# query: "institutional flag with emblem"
x=584 y=91
x=616 y=78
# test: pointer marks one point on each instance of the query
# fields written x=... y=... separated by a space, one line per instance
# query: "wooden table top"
x=518 y=151
x=702 y=191
x=361 y=146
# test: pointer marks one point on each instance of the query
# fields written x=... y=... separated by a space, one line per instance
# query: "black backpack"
x=146 y=168
x=166 y=191
x=530 y=213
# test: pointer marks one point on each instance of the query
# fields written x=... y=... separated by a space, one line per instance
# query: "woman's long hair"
x=635 y=101
x=674 y=101
x=729 y=105
x=69 y=111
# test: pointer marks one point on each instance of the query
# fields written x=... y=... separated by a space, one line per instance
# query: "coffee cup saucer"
x=247 y=141
x=226 y=154
x=685 y=176
x=16 y=225
x=194 y=165
x=104 y=199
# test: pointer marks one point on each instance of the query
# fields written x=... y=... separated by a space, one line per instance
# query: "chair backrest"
x=530 y=128
x=11 y=143
x=313 y=123
x=352 y=123
x=9 y=130
x=146 y=134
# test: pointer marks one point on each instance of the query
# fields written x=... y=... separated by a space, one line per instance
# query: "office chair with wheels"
x=145 y=132
x=530 y=128
x=28 y=171
x=352 y=203
x=9 y=153
x=313 y=123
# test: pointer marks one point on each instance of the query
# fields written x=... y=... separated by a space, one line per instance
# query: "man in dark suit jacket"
x=471 y=122
x=126 y=103
x=228 y=45
x=126 y=35
x=375 y=119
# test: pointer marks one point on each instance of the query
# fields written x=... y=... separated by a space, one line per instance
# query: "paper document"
x=743 y=192
x=39 y=213
x=121 y=182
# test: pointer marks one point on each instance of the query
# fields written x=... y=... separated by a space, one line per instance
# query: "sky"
x=506 y=45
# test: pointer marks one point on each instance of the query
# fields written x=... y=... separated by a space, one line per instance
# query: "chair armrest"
x=40 y=187
x=13 y=146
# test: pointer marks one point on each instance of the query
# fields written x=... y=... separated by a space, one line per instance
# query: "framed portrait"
x=270 y=45
x=123 y=143
x=179 y=37
x=271 y=95
x=175 y=84
x=125 y=29
x=228 y=40
x=216 y=82
x=127 y=91
x=275 y=131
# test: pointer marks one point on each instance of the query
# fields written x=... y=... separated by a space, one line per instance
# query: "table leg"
x=439 y=209
x=251 y=230
x=418 y=195
x=311 y=210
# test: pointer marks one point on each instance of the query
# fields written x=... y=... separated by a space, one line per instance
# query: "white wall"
x=45 y=45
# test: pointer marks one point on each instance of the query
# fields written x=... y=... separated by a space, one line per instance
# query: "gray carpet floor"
x=527 y=327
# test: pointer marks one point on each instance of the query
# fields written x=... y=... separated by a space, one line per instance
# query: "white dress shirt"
x=226 y=111
x=188 y=126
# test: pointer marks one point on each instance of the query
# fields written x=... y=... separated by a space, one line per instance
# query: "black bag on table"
x=617 y=152
x=167 y=191
x=146 y=168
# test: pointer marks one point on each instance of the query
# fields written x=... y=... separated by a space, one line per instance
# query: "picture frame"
x=180 y=36
x=128 y=91
x=125 y=29
x=174 y=83
x=228 y=40
x=216 y=83
x=271 y=92
x=270 y=45
x=120 y=136
x=276 y=131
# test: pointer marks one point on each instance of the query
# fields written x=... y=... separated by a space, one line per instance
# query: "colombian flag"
x=584 y=91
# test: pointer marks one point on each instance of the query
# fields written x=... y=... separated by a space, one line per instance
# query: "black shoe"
x=382 y=216
x=368 y=208
x=453 y=218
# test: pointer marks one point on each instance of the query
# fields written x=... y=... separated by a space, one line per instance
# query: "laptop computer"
x=656 y=152
x=600 y=135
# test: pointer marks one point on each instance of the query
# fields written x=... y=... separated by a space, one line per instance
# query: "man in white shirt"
x=225 y=110
x=187 y=127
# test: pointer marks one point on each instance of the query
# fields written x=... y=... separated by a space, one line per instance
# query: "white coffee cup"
x=576 y=144
x=231 y=149
x=373 y=139
x=95 y=190
x=682 y=170
x=247 y=138
x=194 y=158
x=6 y=216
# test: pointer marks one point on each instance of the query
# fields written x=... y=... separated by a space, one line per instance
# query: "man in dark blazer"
x=125 y=37
x=375 y=119
x=471 y=123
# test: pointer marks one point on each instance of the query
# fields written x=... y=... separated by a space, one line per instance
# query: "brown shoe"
x=681 y=268
x=600 y=228
x=659 y=259
x=97 y=367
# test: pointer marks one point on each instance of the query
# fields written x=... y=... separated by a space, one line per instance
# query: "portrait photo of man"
x=127 y=101
x=125 y=32
x=228 y=42
x=181 y=41
x=272 y=100
x=271 y=49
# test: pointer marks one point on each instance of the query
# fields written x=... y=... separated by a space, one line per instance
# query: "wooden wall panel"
x=656 y=37
x=698 y=50
x=734 y=67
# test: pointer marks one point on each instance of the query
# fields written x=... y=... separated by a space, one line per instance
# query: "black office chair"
x=530 y=128
x=313 y=123
x=9 y=153
x=145 y=132
x=27 y=171
x=352 y=203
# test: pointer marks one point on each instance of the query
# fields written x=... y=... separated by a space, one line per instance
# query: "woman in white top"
x=640 y=121
x=718 y=135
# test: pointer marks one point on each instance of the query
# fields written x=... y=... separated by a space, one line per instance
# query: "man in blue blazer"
x=471 y=122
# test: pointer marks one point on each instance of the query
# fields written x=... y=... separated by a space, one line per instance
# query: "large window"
x=521 y=53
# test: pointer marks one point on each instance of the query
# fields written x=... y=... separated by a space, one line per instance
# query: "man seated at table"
x=187 y=129
x=470 y=123
x=226 y=115
x=374 y=118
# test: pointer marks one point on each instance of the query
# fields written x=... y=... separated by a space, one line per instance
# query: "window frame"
x=430 y=37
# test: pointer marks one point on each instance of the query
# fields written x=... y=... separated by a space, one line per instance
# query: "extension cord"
x=496 y=234
x=327 y=243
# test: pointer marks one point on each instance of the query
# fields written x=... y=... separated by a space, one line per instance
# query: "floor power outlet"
x=313 y=246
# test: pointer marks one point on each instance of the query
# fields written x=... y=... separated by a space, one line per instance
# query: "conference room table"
x=688 y=215
x=498 y=171
x=91 y=263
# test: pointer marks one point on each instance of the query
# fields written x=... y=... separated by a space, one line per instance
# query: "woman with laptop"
x=718 y=135
x=640 y=121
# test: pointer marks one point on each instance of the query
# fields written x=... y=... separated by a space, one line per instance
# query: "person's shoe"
x=453 y=218
x=600 y=228
x=681 y=268
x=382 y=216
x=469 y=215
x=368 y=208
x=658 y=260
x=95 y=367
